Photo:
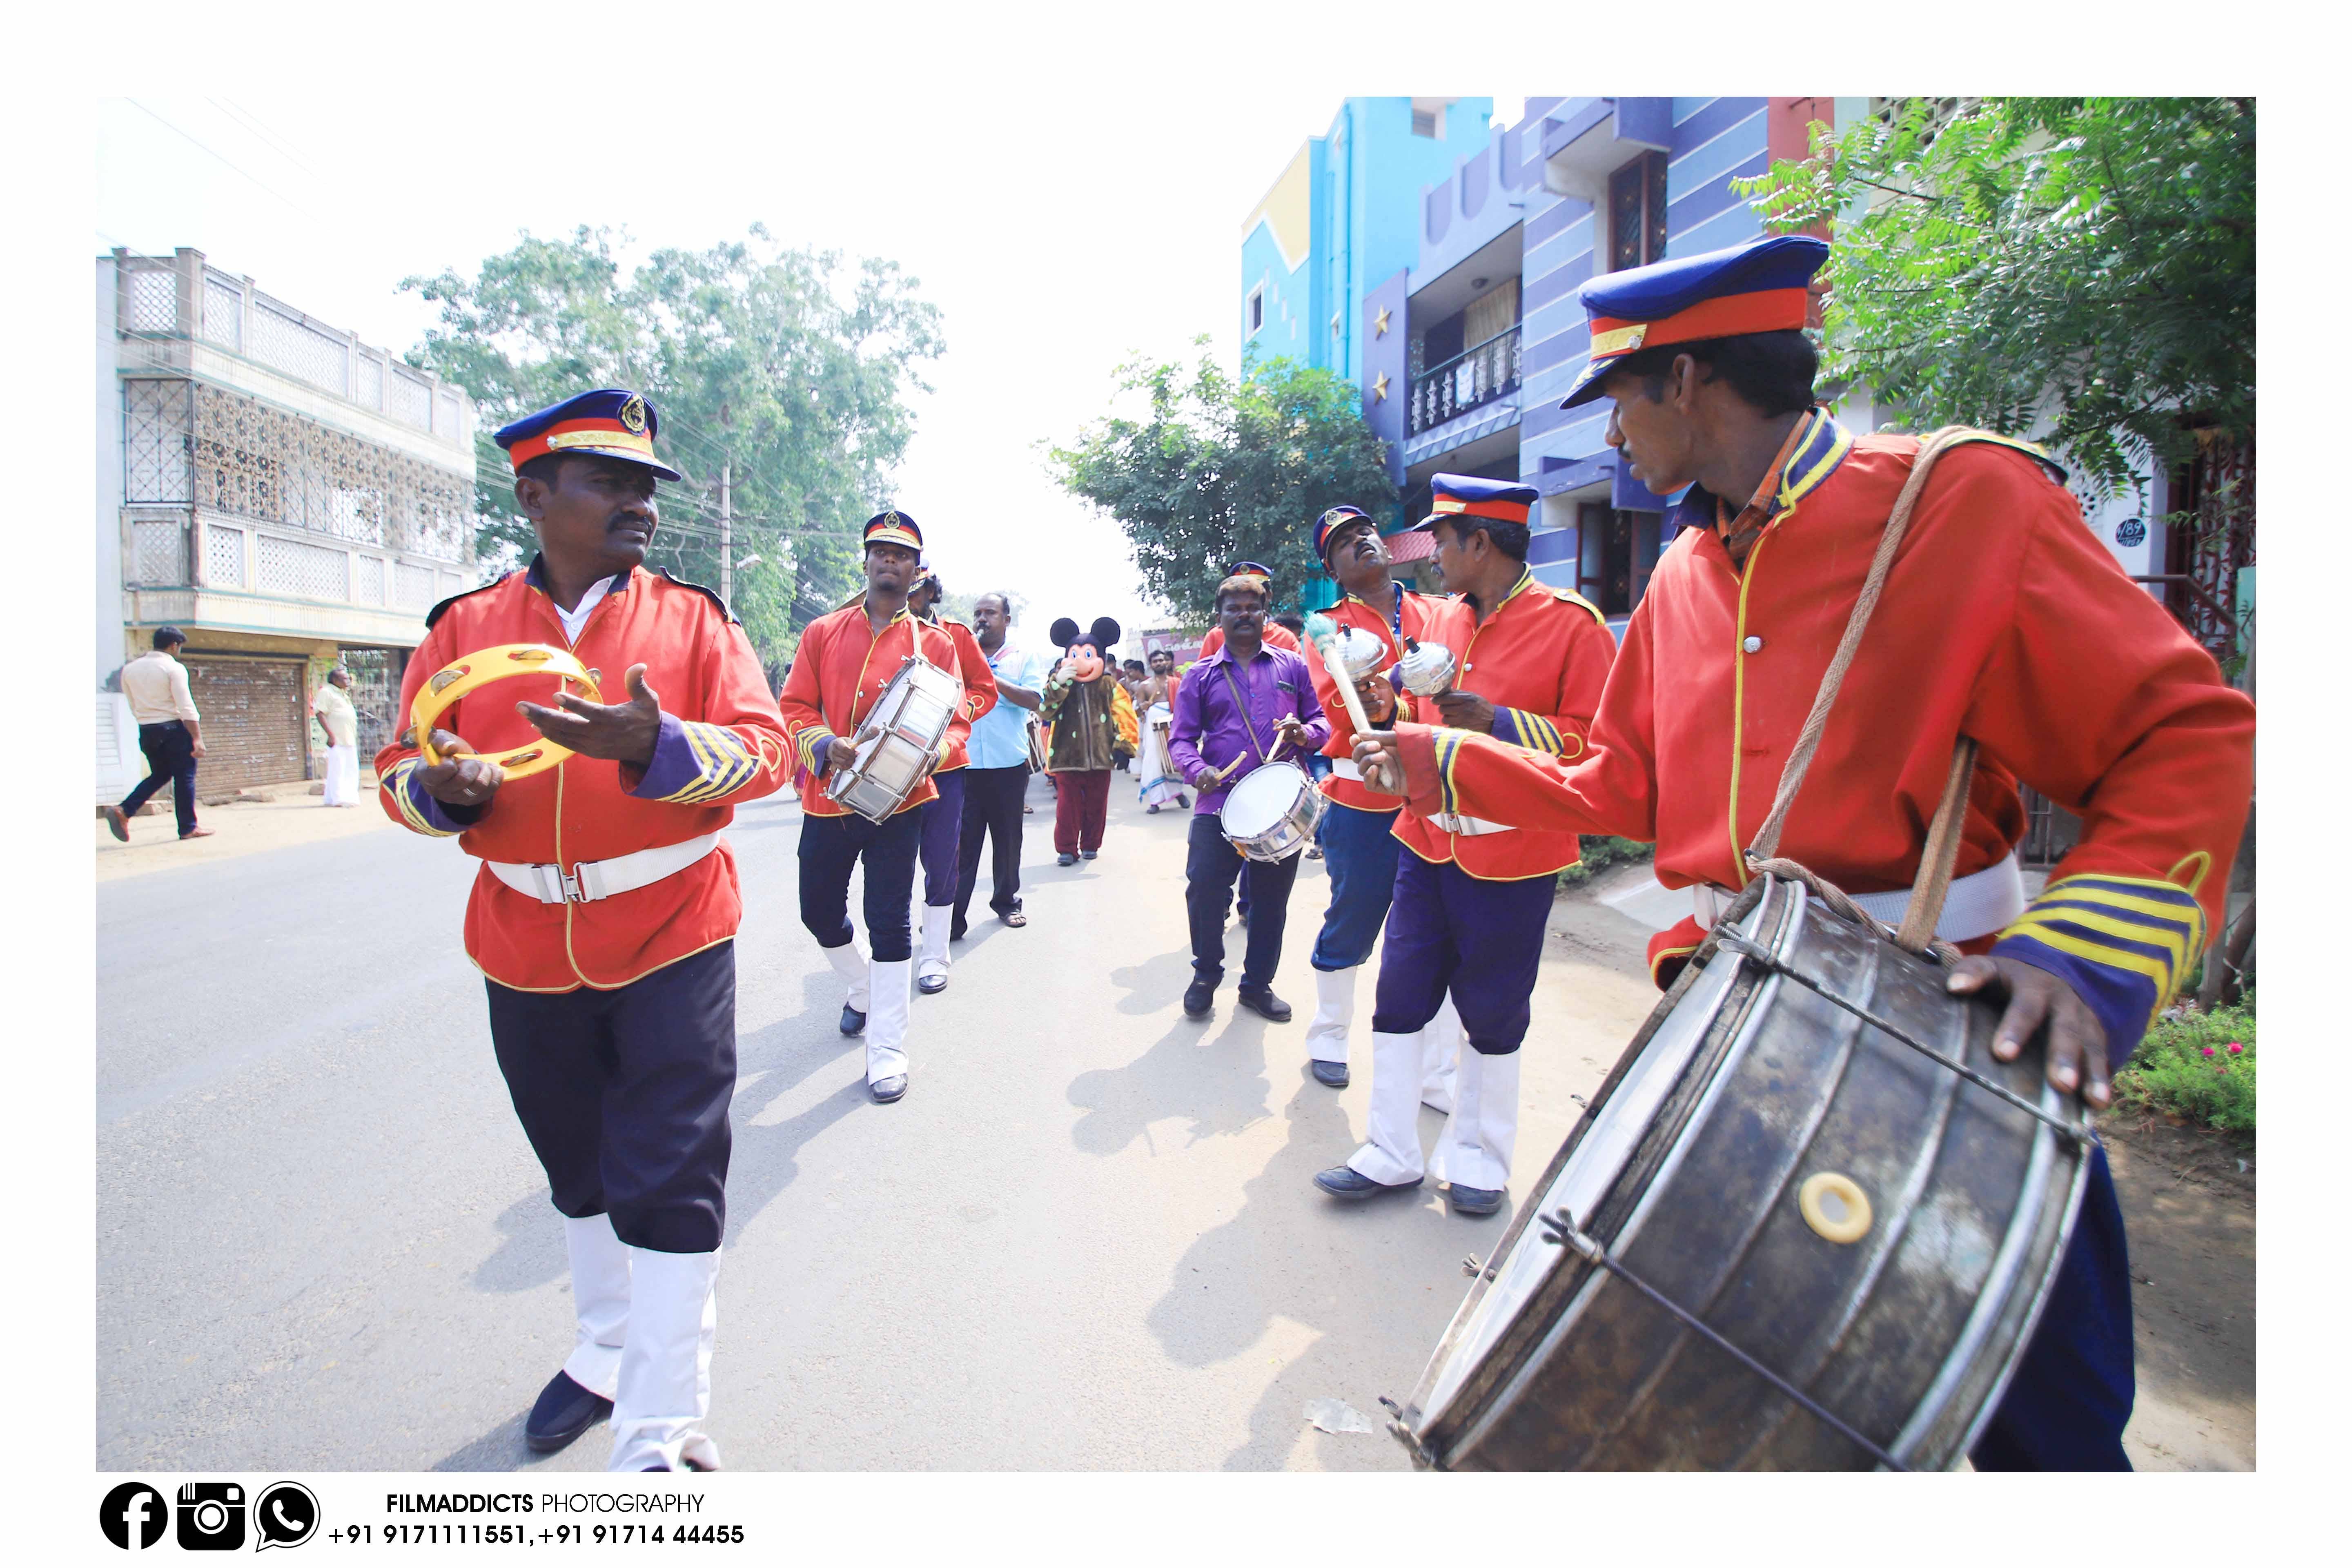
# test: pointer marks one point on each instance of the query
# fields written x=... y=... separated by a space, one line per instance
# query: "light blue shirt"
x=999 y=739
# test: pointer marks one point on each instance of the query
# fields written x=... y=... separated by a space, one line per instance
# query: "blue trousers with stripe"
x=1480 y=941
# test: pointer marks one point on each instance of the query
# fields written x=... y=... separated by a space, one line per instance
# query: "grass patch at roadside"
x=2198 y=1066
x=1596 y=855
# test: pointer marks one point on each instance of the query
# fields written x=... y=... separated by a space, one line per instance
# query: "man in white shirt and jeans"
x=341 y=722
x=157 y=686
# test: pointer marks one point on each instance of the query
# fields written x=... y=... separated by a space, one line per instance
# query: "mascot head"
x=1088 y=648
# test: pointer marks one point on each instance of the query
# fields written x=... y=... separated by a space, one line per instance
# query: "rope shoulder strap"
x=1942 y=848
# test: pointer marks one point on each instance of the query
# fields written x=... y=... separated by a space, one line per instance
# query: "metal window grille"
x=307 y=571
x=225 y=315
x=367 y=385
x=412 y=400
x=223 y=556
x=260 y=462
x=367 y=579
x=156 y=442
x=414 y=586
x=154 y=302
x=284 y=341
x=159 y=551
x=1468 y=381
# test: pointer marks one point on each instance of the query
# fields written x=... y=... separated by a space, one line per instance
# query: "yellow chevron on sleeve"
x=416 y=820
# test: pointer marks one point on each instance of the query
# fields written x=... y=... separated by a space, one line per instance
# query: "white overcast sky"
x=1057 y=231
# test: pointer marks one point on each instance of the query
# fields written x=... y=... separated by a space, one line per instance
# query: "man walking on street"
x=1235 y=709
x=169 y=736
x=336 y=716
x=998 y=776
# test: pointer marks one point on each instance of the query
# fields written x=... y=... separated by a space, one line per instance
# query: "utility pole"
x=726 y=531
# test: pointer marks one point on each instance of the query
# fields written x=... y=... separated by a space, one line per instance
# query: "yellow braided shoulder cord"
x=479 y=669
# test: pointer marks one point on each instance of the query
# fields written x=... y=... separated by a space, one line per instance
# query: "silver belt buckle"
x=1449 y=821
x=557 y=886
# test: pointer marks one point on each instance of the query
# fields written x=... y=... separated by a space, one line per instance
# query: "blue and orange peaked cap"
x=894 y=526
x=1759 y=287
x=1453 y=495
x=1332 y=522
x=610 y=422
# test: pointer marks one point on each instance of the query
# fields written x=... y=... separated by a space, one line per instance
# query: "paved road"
x=1084 y=1239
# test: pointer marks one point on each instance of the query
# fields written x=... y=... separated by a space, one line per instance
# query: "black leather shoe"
x=853 y=1021
x=889 y=1090
x=1263 y=1002
x=565 y=1410
x=957 y=933
x=1198 y=998
x=1474 y=1200
x=1346 y=1182
x=1065 y=860
x=931 y=985
x=1333 y=1074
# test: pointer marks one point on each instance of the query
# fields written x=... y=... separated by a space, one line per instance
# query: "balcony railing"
x=1467 y=381
x=192 y=548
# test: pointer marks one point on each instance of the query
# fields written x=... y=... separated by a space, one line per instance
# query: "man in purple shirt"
x=1243 y=707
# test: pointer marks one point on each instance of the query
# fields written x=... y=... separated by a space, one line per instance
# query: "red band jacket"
x=1415 y=611
x=1542 y=658
x=721 y=742
x=2004 y=619
x=842 y=668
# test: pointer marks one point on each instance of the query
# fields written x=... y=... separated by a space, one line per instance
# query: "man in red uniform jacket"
x=1360 y=851
x=604 y=916
x=845 y=662
x=1466 y=915
x=2003 y=619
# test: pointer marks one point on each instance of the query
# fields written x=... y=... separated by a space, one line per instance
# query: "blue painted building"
x=1341 y=217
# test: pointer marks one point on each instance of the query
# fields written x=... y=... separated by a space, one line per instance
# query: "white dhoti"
x=344 y=775
x=1161 y=785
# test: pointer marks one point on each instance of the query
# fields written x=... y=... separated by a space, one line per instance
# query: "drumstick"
x=1324 y=633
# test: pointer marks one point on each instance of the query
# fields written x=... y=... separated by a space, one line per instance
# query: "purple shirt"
x=1208 y=730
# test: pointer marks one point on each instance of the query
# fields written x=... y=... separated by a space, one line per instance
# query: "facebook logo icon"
x=133 y=1516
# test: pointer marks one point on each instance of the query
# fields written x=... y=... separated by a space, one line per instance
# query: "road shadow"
x=1155 y=986
x=784 y=1054
x=531 y=1250
x=502 y=1449
x=1230 y=1285
x=1211 y=1071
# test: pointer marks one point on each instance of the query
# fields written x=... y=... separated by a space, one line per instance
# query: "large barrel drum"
x=1873 y=1229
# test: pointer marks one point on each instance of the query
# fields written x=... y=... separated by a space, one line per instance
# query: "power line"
x=226 y=161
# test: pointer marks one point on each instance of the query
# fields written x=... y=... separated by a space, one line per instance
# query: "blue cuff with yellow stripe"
x=695 y=763
x=813 y=742
x=2124 y=943
x=420 y=812
x=1533 y=730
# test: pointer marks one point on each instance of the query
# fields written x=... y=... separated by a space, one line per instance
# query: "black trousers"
x=993 y=798
x=171 y=756
x=1210 y=866
x=830 y=847
x=624 y=1095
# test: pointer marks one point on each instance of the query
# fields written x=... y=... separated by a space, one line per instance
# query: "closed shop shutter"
x=252 y=717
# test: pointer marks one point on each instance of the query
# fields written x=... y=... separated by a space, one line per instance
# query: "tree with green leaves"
x=781 y=366
x=1222 y=467
x=1997 y=261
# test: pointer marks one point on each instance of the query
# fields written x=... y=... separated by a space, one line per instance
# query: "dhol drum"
x=1271 y=814
x=898 y=744
x=1807 y=1223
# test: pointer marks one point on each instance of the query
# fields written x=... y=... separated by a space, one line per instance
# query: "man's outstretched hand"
x=2077 y=1062
x=618 y=732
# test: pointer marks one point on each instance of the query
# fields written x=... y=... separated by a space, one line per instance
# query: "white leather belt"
x=1979 y=904
x=589 y=881
x=1347 y=768
x=1468 y=827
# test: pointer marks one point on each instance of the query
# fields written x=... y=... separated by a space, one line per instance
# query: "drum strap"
x=1941 y=850
x=1242 y=708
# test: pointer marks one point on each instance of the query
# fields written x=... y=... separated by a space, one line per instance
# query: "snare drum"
x=1875 y=1230
x=1271 y=814
x=898 y=744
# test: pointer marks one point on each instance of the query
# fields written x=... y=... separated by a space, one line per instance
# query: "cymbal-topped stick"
x=1324 y=633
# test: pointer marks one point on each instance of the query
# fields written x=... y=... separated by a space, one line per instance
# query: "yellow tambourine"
x=478 y=670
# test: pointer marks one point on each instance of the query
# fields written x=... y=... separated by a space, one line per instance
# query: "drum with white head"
x=1272 y=812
